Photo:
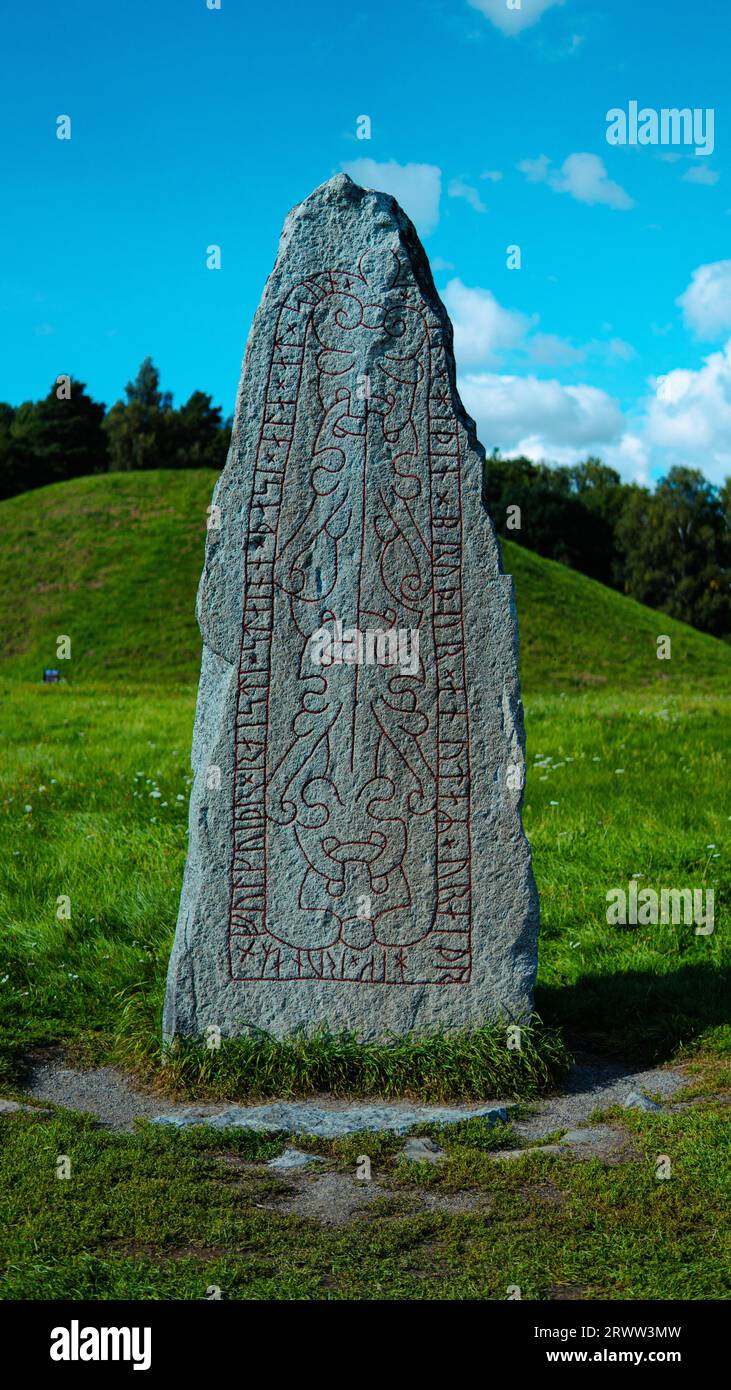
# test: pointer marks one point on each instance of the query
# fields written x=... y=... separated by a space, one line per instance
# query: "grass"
x=628 y=774
x=114 y=561
x=618 y=788
x=109 y=833
x=455 y=1066
x=95 y=780
x=162 y=1214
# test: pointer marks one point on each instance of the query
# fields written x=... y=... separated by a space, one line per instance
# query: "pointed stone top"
x=342 y=219
x=343 y=187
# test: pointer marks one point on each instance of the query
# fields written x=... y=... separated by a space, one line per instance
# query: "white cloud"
x=417 y=187
x=459 y=189
x=630 y=457
x=548 y=422
x=706 y=303
x=583 y=176
x=439 y=263
x=688 y=416
x=536 y=170
x=492 y=175
x=513 y=21
x=685 y=419
x=700 y=173
x=484 y=330
x=548 y=350
x=481 y=325
x=542 y=419
x=616 y=348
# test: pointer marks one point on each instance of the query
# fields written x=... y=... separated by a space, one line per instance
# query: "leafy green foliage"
x=670 y=548
x=67 y=434
x=56 y=438
x=676 y=548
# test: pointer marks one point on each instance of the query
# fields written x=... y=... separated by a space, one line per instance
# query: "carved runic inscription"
x=351 y=802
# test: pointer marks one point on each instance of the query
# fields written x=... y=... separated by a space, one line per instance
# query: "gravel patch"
x=594 y=1085
x=103 y=1092
x=115 y=1103
x=334 y=1199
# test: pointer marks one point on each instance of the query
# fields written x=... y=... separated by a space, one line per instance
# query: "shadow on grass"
x=640 y=1014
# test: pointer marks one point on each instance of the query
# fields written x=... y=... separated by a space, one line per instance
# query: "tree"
x=146 y=432
x=10 y=473
x=601 y=492
x=66 y=435
x=138 y=429
x=198 y=437
x=556 y=518
x=50 y=440
x=675 y=546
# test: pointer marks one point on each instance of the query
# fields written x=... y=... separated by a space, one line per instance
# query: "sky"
x=198 y=123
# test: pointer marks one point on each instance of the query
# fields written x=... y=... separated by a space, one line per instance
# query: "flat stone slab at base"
x=507 y=1155
x=599 y=1141
x=599 y=1134
x=293 y=1158
x=331 y=1124
x=14 y=1107
x=418 y=1150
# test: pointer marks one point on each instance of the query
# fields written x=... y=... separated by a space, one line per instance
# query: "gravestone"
x=356 y=855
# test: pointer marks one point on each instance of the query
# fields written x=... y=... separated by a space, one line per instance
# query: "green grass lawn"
x=628 y=775
x=93 y=807
x=162 y=1214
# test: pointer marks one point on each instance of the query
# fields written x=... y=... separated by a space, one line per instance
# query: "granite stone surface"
x=356 y=854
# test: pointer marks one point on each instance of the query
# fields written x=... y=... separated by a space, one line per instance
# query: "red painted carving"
x=351 y=802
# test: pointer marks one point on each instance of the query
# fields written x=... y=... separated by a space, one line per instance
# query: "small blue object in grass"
x=49 y=676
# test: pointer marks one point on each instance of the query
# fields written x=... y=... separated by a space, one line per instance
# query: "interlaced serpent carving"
x=351 y=802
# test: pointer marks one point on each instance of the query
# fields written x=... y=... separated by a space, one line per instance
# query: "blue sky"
x=193 y=126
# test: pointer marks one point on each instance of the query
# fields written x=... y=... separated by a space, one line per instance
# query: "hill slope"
x=114 y=562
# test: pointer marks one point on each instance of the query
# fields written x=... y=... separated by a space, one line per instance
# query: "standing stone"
x=356 y=855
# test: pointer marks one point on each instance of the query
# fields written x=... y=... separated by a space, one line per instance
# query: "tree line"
x=69 y=435
x=670 y=548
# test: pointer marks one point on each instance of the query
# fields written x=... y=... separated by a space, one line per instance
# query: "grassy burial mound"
x=114 y=562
